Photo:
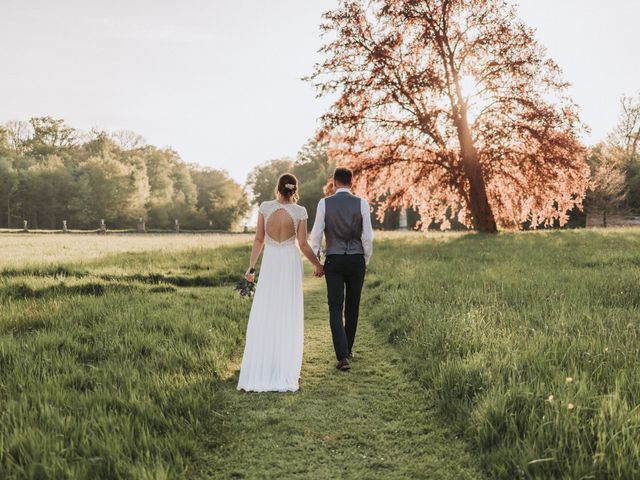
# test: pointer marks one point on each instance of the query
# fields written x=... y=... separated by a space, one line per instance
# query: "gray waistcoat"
x=343 y=224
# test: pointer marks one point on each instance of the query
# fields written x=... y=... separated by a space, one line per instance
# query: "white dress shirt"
x=367 y=229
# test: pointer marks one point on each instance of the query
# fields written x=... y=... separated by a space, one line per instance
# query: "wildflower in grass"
x=570 y=406
x=550 y=399
x=568 y=379
x=606 y=349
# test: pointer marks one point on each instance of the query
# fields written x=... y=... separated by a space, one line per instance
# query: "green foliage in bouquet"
x=245 y=288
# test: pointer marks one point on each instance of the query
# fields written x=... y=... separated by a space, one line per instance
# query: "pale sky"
x=219 y=80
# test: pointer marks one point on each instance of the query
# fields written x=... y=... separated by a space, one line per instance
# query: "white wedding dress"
x=273 y=351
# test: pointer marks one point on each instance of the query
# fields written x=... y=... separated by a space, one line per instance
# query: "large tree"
x=452 y=107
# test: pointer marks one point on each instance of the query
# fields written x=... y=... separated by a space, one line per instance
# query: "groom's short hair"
x=343 y=175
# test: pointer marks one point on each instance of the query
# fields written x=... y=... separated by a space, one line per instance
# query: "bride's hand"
x=250 y=277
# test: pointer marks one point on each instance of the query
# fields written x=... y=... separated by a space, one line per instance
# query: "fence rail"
x=117 y=232
x=141 y=228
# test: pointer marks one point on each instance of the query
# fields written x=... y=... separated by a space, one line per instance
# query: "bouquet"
x=245 y=288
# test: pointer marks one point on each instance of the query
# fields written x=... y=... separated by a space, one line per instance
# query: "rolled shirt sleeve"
x=367 y=230
x=318 y=229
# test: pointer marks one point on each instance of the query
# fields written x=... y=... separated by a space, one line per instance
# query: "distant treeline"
x=615 y=166
x=50 y=172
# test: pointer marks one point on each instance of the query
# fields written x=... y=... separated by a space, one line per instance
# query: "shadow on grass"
x=145 y=267
x=213 y=280
x=48 y=271
x=24 y=291
x=216 y=280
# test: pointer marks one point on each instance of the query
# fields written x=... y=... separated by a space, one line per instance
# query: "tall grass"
x=109 y=367
x=111 y=357
x=528 y=342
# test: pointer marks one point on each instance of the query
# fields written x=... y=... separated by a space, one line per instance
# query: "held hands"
x=318 y=271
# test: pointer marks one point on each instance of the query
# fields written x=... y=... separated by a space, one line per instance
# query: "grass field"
x=110 y=364
x=19 y=250
x=529 y=344
x=511 y=356
x=373 y=423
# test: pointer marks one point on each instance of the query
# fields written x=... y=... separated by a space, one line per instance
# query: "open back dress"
x=275 y=334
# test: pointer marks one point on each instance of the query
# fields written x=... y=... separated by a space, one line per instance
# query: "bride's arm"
x=306 y=248
x=258 y=243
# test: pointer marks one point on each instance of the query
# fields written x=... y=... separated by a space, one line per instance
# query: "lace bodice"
x=292 y=212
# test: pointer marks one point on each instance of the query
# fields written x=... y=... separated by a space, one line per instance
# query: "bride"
x=273 y=351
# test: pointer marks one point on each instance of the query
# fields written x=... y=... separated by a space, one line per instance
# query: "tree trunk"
x=483 y=219
x=481 y=213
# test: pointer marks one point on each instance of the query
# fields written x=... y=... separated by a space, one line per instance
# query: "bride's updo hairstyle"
x=287 y=188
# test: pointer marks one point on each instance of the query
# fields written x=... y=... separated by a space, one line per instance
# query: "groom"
x=346 y=222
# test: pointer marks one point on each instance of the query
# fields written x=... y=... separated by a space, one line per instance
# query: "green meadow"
x=110 y=361
x=528 y=343
x=508 y=356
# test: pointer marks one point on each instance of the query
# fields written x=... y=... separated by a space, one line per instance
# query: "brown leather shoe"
x=343 y=365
